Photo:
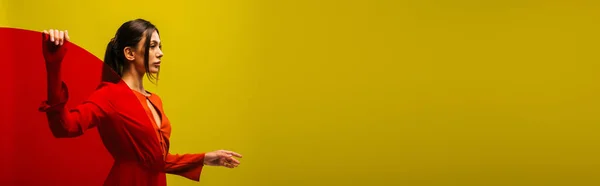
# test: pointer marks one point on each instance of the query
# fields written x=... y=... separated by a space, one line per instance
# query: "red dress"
x=126 y=127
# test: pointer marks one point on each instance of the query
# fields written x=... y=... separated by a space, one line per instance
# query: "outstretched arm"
x=186 y=165
x=64 y=122
x=190 y=165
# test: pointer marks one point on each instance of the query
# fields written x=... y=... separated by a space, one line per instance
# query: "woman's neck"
x=134 y=80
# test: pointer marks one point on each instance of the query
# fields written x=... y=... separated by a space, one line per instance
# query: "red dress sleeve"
x=66 y=122
x=186 y=165
x=70 y=122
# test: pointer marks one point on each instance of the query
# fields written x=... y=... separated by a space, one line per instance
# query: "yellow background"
x=420 y=92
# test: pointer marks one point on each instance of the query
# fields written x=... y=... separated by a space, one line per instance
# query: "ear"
x=129 y=53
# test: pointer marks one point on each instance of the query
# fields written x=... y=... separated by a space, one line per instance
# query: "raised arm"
x=65 y=122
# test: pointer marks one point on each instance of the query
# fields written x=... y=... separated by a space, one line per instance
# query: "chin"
x=153 y=70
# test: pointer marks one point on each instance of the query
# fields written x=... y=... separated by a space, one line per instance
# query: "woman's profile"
x=130 y=120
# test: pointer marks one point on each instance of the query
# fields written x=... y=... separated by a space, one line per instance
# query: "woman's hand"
x=57 y=37
x=223 y=158
x=52 y=41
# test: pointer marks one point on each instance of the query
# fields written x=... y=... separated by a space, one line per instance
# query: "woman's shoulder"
x=102 y=92
x=106 y=87
x=120 y=90
x=109 y=90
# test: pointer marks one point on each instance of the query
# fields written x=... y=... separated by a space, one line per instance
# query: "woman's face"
x=154 y=57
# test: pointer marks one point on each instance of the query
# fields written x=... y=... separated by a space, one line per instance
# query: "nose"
x=159 y=54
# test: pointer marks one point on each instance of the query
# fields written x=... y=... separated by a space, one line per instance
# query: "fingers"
x=231 y=162
x=235 y=161
x=226 y=158
x=67 y=35
x=231 y=166
x=225 y=163
x=61 y=38
x=46 y=35
x=51 y=32
x=228 y=161
x=232 y=153
x=57 y=37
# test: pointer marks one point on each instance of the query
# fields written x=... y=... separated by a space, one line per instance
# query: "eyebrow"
x=156 y=41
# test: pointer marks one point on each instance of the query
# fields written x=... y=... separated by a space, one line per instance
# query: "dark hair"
x=129 y=35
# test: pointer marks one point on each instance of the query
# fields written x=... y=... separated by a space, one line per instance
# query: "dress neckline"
x=148 y=94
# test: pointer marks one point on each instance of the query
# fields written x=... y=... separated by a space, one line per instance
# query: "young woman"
x=130 y=120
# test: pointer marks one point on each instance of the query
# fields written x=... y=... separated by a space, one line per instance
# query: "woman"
x=130 y=120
